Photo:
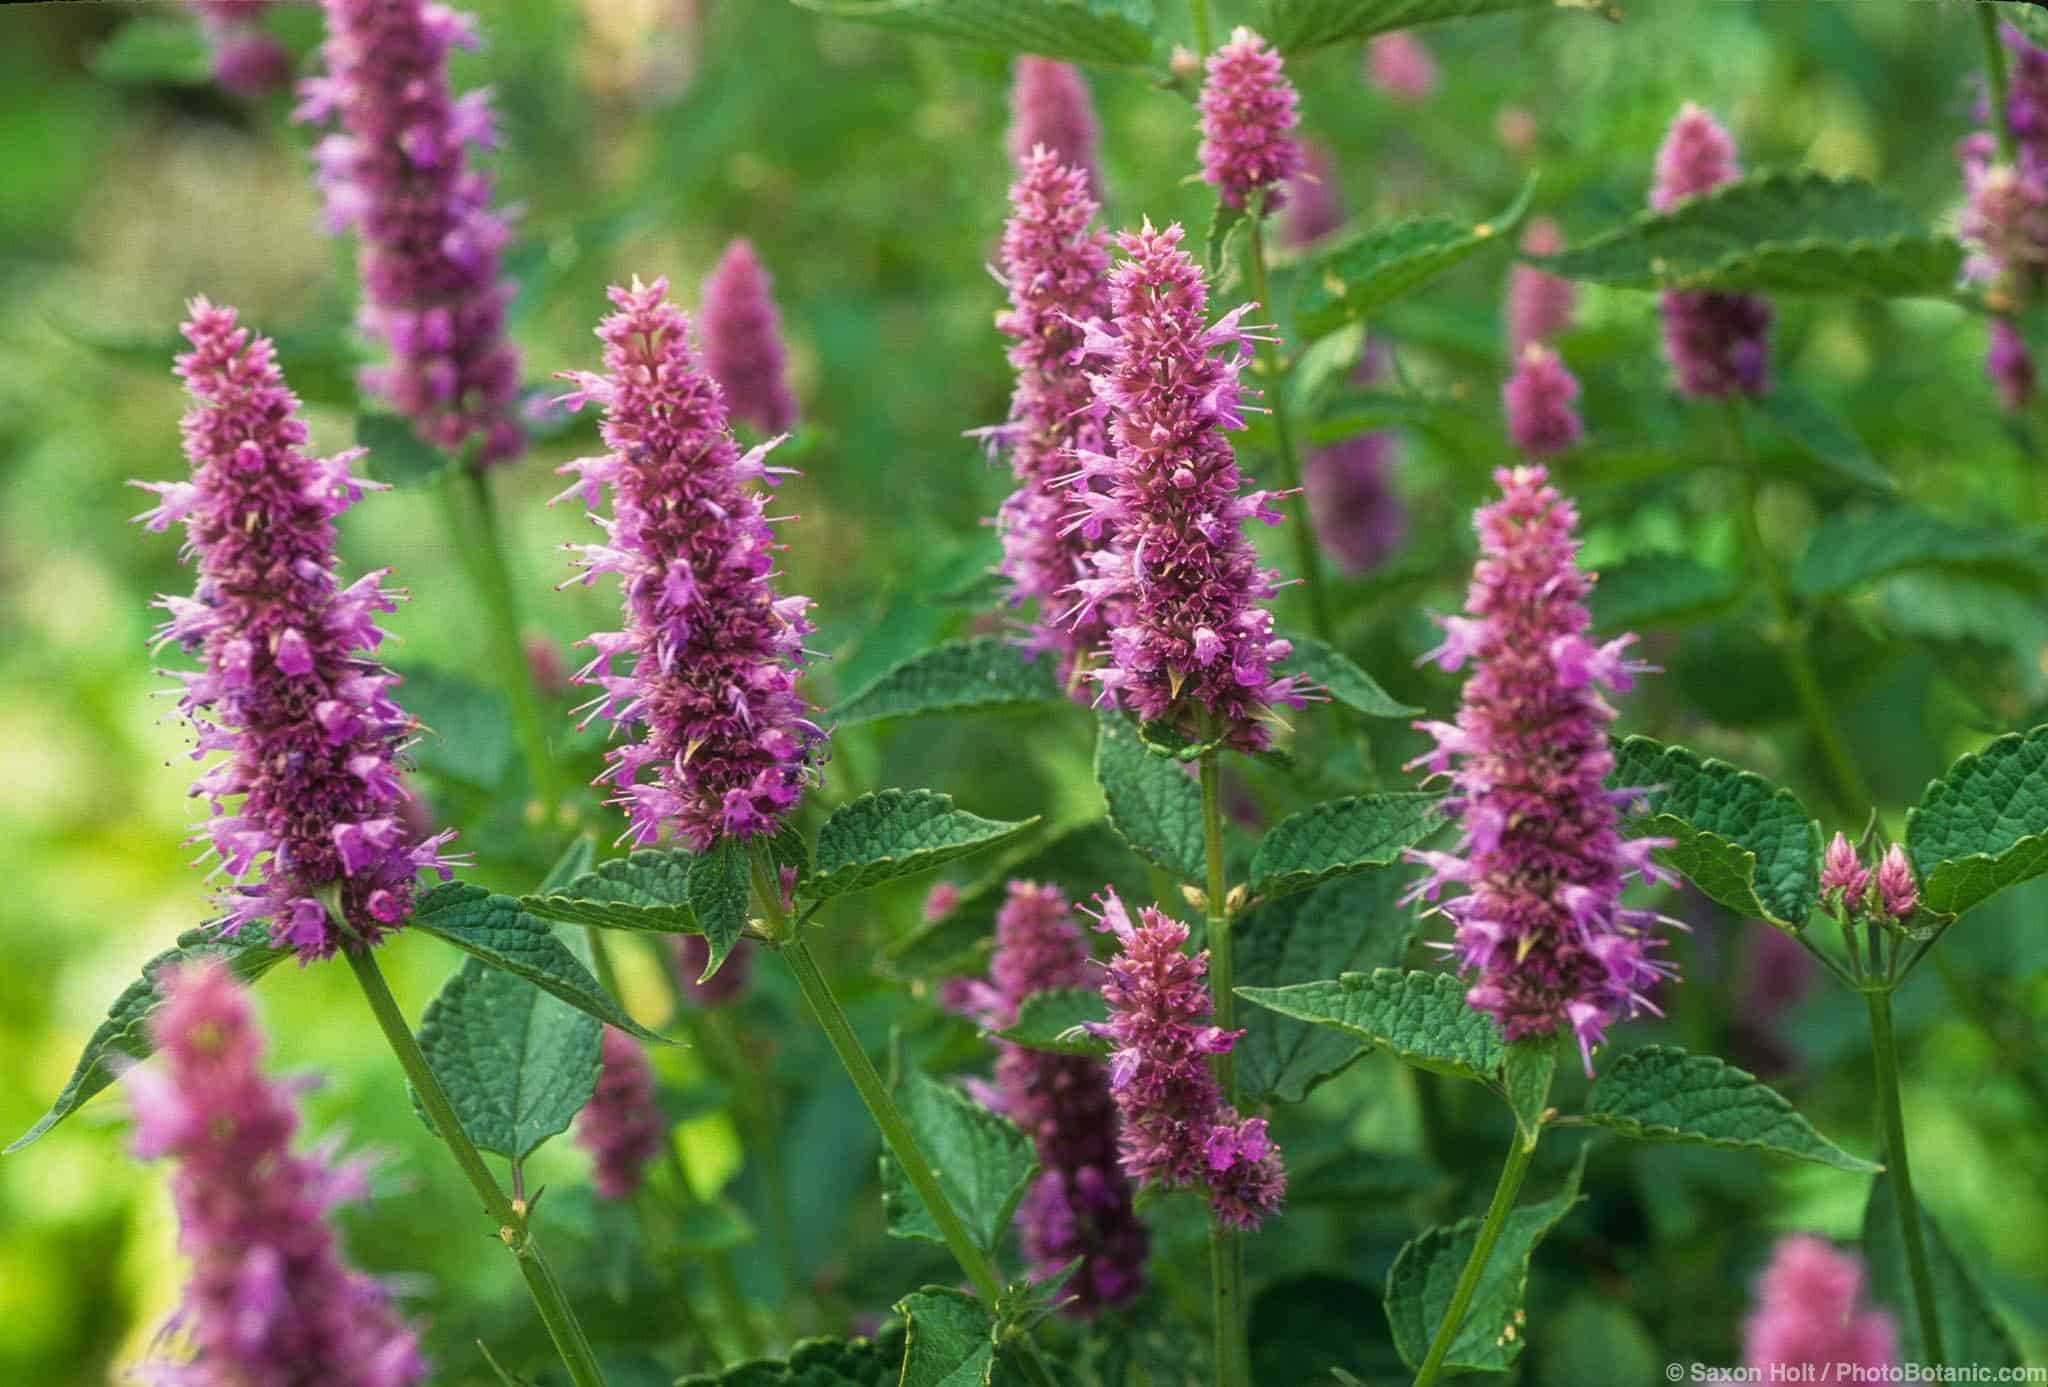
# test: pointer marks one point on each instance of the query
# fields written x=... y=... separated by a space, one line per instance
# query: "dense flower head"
x=1248 y=112
x=621 y=1126
x=1540 y=400
x=247 y=62
x=1049 y=106
x=307 y=800
x=1080 y=1204
x=1191 y=643
x=1539 y=303
x=1400 y=65
x=398 y=170
x=1313 y=208
x=270 y=1300
x=1898 y=895
x=1697 y=156
x=714 y=651
x=1718 y=345
x=1358 y=516
x=1178 y=1133
x=691 y=952
x=1809 y=1313
x=1055 y=265
x=1843 y=877
x=1540 y=927
x=743 y=341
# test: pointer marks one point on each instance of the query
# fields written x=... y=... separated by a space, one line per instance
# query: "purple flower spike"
x=1697 y=156
x=1049 y=106
x=1247 y=111
x=1540 y=399
x=712 y=688
x=1897 y=893
x=1540 y=927
x=1080 y=1205
x=1400 y=65
x=1808 y=1315
x=1178 y=1133
x=1056 y=268
x=2004 y=223
x=270 y=1300
x=1539 y=303
x=1358 y=517
x=743 y=341
x=1843 y=879
x=398 y=170
x=1718 y=344
x=247 y=62
x=621 y=1126
x=307 y=800
x=1313 y=210
x=1192 y=644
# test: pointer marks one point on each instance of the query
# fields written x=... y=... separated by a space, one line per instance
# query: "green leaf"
x=1659 y=590
x=1822 y=435
x=1971 y=1330
x=951 y=1339
x=817 y=1363
x=717 y=892
x=1153 y=803
x=1847 y=551
x=1526 y=1073
x=125 y=1031
x=1984 y=825
x=1744 y=842
x=1341 y=837
x=984 y=1163
x=1661 y=1093
x=1051 y=1021
x=1352 y=923
x=648 y=890
x=1346 y=682
x=1782 y=232
x=399 y=457
x=154 y=51
x=1420 y=1283
x=1088 y=31
x=897 y=833
x=465 y=730
x=1365 y=271
x=495 y=929
x=1420 y=1017
x=982 y=674
x=1295 y=26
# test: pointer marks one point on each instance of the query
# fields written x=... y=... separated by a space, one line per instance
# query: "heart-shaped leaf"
x=1420 y=1018
x=897 y=833
x=1983 y=826
x=982 y=674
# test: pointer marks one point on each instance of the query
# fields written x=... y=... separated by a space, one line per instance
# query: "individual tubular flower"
x=1897 y=894
x=1055 y=265
x=1248 y=111
x=1178 y=1133
x=1080 y=1204
x=270 y=1300
x=1192 y=644
x=1400 y=65
x=1809 y=1314
x=743 y=341
x=398 y=171
x=1540 y=927
x=1049 y=106
x=621 y=1126
x=1718 y=345
x=690 y=955
x=1540 y=399
x=1358 y=517
x=1313 y=210
x=1539 y=303
x=712 y=685
x=307 y=801
x=1843 y=878
x=247 y=62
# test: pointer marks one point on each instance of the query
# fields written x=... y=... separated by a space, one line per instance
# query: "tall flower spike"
x=1178 y=1133
x=1718 y=344
x=1540 y=927
x=743 y=341
x=1540 y=399
x=247 y=62
x=1539 y=303
x=1400 y=65
x=1358 y=516
x=398 y=171
x=307 y=801
x=1809 y=1316
x=712 y=685
x=1192 y=643
x=1049 y=106
x=1055 y=265
x=1080 y=1205
x=1248 y=112
x=621 y=1126
x=270 y=1300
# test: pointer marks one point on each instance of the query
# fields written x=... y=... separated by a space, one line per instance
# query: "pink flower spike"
x=1809 y=1316
x=1539 y=399
x=743 y=341
x=621 y=1126
x=1049 y=106
x=1539 y=303
x=1248 y=114
x=1401 y=66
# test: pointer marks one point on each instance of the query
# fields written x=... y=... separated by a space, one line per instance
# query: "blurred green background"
x=639 y=135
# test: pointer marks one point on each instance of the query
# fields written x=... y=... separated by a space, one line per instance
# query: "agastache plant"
x=1248 y=118
x=1718 y=344
x=1049 y=107
x=2004 y=221
x=247 y=62
x=1810 y=1317
x=743 y=349
x=1540 y=399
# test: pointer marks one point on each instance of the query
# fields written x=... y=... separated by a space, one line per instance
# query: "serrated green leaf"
x=399 y=457
x=983 y=1162
x=897 y=833
x=1296 y=26
x=1117 y=32
x=1367 y=270
x=1778 y=231
x=1420 y=1283
x=125 y=1031
x=1341 y=837
x=1984 y=825
x=951 y=1339
x=982 y=674
x=1822 y=435
x=1659 y=590
x=1971 y=1330
x=1849 y=550
x=1053 y=1020
x=1349 y=685
x=465 y=730
x=647 y=890
x=496 y=930
x=1746 y=843
x=1153 y=803
x=1661 y=1093
x=154 y=51
x=1420 y=1018
x=719 y=885
x=1526 y=1072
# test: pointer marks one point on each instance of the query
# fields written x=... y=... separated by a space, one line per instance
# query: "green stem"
x=732 y=1305
x=513 y=1229
x=1519 y=1154
x=756 y=1103
x=1226 y=1244
x=1884 y=1047
x=1205 y=38
x=1307 y=559
x=1994 y=80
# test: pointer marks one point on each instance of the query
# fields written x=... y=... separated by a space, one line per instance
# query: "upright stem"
x=513 y=1229
x=1519 y=1154
x=1884 y=1046
x=1307 y=558
x=1226 y=1243
x=1205 y=38
x=1994 y=80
